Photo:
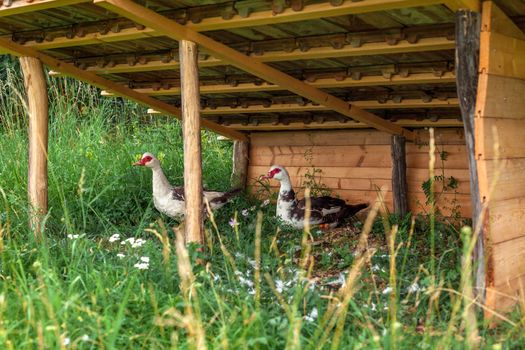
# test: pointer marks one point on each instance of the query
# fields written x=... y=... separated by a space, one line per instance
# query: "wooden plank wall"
x=355 y=163
x=501 y=109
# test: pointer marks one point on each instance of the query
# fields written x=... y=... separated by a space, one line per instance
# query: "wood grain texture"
x=468 y=26
x=37 y=104
x=21 y=7
x=191 y=130
x=241 y=150
x=499 y=123
x=496 y=21
x=500 y=97
x=399 y=175
x=506 y=56
x=355 y=163
x=120 y=90
x=254 y=66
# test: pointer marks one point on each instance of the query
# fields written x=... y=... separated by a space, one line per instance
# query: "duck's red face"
x=272 y=173
x=143 y=161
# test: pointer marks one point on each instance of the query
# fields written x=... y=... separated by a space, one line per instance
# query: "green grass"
x=69 y=291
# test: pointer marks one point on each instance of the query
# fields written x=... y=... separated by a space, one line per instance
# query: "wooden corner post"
x=468 y=27
x=37 y=103
x=399 y=175
x=240 y=164
x=191 y=130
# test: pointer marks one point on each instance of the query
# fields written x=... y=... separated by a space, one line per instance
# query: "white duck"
x=168 y=199
x=326 y=212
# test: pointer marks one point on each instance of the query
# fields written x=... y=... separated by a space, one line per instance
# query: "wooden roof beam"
x=21 y=7
x=322 y=83
x=406 y=123
x=312 y=11
x=455 y=5
x=118 y=89
x=294 y=107
x=366 y=49
x=172 y=29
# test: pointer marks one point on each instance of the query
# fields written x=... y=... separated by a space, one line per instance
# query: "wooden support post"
x=191 y=129
x=37 y=103
x=399 y=175
x=240 y=164
x=468 y=26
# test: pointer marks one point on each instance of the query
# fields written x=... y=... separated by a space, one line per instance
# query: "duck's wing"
x=177 y=193
x=325 y=205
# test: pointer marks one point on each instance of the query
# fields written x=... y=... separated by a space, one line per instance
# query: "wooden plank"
x=325 y=83
x=508 y=217
x=450 y=136
x=496 y=21
x=399 y=175
x=294 y=107
x=500 y=97
x=191 y=132
x=366 y=49
x=37 y=106
x=241 y=150
x=320 y=138
x=509 y=260
x=311 y=11
x=510 y=138
x=506 y=56
x=21 y=7
x=338 y=172
x=511 y=178
x=333 y=125
x=503 y=298
x=176 y=31
x=71 y=70
x=324 y=156
x=453 y=161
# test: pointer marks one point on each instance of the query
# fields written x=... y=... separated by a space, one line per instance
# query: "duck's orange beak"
x=139 y=163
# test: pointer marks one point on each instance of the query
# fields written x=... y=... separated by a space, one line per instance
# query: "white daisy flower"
x=114 y=238
x=70 y=236
x=245 y=212
x=66 y=341
x=138 y=243
x=144 y=259
x=120 y=255
x=141 y=266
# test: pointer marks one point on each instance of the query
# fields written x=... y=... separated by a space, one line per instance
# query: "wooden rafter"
x=172 y=29
x=20 y=7
x=118 y=89
x=323 y=83
x=312 y=11
x=367 y=49
x=406 y=123
x=294 y=107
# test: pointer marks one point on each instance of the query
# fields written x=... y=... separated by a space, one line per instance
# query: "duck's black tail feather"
x=350 y=210
x=226 y=197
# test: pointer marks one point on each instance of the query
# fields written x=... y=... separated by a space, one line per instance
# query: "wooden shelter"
x=349 y=87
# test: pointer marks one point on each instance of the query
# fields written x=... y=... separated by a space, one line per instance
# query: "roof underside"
x=397 y=63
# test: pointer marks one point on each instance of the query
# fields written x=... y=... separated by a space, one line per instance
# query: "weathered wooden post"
x=240 y=164
x=191 y=128
x=37 y=103
x=468 y=27
x=399 y=175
